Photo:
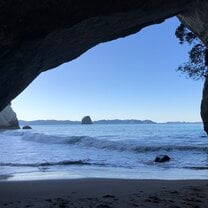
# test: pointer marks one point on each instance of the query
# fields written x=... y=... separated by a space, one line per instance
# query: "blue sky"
x=129 y=78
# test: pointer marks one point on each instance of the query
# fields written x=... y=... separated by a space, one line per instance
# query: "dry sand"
x=104 y=193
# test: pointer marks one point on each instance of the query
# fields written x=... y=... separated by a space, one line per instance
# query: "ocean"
x=104 y=151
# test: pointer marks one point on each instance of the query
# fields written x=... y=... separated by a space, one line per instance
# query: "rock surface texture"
x=196 y=19
x=86 y=120
x=8 y=119
x=39 y=35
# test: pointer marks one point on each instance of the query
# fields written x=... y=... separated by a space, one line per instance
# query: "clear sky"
x=129 y=78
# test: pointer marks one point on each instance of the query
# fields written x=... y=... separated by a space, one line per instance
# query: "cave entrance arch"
x=127 y=46
x=36 y=37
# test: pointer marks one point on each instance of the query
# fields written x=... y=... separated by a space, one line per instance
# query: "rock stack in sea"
x=86 y=120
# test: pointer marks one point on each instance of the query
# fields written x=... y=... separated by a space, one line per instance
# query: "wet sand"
x=104 y=193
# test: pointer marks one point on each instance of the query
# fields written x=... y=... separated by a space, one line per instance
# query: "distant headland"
x=113 y=121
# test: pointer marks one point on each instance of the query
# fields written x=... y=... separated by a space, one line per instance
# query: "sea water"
x=104 y=151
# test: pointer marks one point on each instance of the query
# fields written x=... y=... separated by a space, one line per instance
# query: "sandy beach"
x=104 y=193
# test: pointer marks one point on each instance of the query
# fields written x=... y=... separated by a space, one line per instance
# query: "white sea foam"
x=46 y=164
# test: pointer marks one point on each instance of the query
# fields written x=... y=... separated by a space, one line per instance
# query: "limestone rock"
x=195 y=18
x=86 y=120
x=8 y=119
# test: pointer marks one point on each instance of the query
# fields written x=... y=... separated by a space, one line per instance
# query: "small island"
x=86 y=120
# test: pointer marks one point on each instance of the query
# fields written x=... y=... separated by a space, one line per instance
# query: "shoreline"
x=104 y=193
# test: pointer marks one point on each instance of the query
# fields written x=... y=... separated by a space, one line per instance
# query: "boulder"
x=162 y=158
x=86 y=120
x=8 y=119
x=26 y=127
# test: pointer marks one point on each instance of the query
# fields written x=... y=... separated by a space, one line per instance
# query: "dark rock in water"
x=162 y=158
x=86 y=120
x=26 y=127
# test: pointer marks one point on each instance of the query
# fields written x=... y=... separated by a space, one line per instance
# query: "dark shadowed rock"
x=204 y=106
x=162 y=158
x=26 y=127
x=86 y=120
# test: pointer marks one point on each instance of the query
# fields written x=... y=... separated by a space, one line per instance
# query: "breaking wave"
x=197 y=168
x=46 y=164
x=91 y=142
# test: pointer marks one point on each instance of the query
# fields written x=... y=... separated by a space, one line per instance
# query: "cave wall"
x=196 y=19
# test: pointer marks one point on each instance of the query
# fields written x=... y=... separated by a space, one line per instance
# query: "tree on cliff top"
x=197 y=65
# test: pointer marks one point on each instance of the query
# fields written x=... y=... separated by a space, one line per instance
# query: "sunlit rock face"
x=8 y=119
x=38 y=35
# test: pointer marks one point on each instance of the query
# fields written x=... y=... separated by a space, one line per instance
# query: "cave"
x=37 y=36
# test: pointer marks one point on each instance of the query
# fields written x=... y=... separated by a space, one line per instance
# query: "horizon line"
x=112 y=120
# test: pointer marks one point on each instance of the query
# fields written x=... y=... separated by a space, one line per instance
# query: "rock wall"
x=196 y=19
x=204 y=106
x=8 y=119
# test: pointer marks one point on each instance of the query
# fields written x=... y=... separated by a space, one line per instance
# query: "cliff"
x=8 y=119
